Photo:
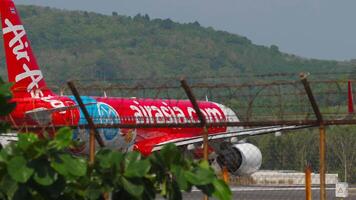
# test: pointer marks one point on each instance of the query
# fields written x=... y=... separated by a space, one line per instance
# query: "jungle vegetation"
x=89 y=46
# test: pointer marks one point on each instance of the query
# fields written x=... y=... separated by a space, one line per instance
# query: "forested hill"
x=85 y=45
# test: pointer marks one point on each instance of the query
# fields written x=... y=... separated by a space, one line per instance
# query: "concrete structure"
x=266 y=177
x=282 y=178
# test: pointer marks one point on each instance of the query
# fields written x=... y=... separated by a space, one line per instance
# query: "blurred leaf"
x=69 y=165
x=221 y=190
x=131 y=157
x=6 y=106
x=200 y=177
x=137 y=169
x=5 y=89
x=18 y=169
x=4 y=157
x=4 y=126
x=134 y=190
x=180 y=178
x=170 y=154
x=175 y=192
x=26 y=140
x=63 y=139
x=107 y=158
x=44 y=175
x=206 y=189
x=157 y=162
x=204 y=165
x=93 y=191
x=8 y=185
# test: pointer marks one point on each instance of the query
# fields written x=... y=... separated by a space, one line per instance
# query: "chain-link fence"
x=260 y=101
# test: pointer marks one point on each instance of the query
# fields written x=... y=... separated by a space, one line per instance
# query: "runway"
x=273 y=193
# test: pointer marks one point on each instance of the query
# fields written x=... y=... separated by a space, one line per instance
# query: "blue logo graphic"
x=107 y=115
x=101 y=113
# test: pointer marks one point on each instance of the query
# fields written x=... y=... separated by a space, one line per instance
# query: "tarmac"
x=274 y=193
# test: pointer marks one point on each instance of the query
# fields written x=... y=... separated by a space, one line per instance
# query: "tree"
x=167 y=24
x=342 y=141
x=274 y=49
x=114 y=13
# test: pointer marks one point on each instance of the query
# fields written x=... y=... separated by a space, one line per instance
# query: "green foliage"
x=341 y=153
x=5 y=105
x=34 y=168
x=85 y=45
x=295 y=150
x=177 y=173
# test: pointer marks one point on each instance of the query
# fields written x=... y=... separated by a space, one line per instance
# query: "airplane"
x=37 y=105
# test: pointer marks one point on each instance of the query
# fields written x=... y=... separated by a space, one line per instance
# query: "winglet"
x=350 y=97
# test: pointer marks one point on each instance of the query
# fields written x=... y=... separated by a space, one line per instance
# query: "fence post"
x=308 y=182
x=94 y=134
x=322 y=162
x=322 y=140
x=202 y=119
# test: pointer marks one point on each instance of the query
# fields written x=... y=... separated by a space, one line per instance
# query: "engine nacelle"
x=240 y=159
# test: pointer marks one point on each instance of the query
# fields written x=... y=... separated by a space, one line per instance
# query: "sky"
x=322 y=29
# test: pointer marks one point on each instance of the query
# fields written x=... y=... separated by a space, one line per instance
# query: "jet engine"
x=240 y=159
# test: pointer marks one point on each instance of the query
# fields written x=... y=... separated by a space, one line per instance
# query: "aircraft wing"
x=226 y=135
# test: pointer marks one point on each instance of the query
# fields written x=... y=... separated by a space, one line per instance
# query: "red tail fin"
x=22 y=66
x=350 y=97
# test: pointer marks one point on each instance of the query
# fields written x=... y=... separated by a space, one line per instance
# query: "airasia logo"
x=19 y=49
x=171 y=114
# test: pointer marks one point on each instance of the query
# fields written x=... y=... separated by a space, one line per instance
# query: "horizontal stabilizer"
x=43 y=116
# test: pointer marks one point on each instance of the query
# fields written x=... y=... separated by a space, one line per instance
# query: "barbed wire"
x=213 y=78
x=254 y=101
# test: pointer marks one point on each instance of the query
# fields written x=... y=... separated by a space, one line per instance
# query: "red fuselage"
x=122 y=111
